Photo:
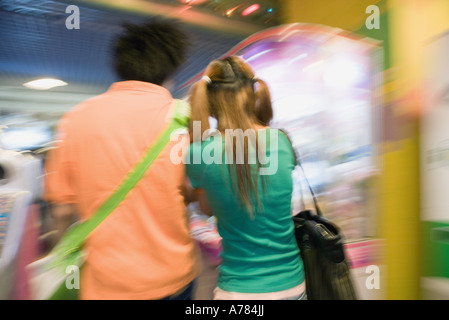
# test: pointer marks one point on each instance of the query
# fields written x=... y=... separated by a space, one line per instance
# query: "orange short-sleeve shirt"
x=142 y=250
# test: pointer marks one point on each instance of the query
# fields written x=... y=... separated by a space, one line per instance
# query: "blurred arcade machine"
x=325 y=91
x=20 y=187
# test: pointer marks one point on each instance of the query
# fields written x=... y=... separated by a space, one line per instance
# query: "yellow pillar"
x=344 y=14
x=400 y=201
x=412 y=23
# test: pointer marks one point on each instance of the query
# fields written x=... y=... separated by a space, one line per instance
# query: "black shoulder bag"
x=320 y=242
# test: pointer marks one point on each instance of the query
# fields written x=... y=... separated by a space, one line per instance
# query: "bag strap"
x=299 y=163
x=74 y=238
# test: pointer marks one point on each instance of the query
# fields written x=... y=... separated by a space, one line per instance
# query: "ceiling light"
x=230 y=11
x=44 y=84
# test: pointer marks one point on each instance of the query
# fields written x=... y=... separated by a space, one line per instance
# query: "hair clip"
x=207 y=79
x=255 y=79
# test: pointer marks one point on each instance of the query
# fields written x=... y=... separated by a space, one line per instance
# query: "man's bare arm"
x=63 y=216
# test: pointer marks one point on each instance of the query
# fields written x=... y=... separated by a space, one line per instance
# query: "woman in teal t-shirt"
x=244 y=169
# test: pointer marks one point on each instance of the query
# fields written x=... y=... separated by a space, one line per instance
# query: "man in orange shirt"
x=142 y=250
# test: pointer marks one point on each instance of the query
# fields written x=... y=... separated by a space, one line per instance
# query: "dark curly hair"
x=151 y=52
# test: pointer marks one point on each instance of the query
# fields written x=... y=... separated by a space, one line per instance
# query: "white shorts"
x=289 y=294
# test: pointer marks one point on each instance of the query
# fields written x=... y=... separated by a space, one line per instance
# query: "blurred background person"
x=143 y=250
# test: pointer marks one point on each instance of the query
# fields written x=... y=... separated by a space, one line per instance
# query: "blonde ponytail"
x=263 y=109
x=199 y=103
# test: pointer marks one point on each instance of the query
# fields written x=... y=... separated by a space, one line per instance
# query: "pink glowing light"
x=250 y=9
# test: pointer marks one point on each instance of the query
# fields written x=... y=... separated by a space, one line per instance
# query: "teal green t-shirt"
x=259 y=252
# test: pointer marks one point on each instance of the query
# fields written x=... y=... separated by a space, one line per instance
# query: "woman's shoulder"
x=279 y=134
